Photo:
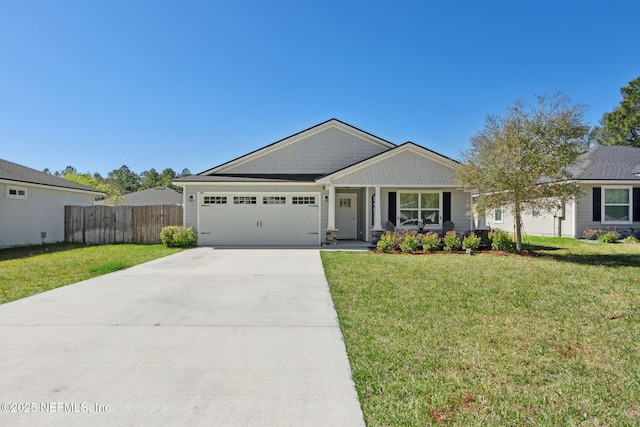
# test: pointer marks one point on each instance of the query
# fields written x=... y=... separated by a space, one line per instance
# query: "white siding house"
x=609 y=178
x=331 y=181
x=32 y=205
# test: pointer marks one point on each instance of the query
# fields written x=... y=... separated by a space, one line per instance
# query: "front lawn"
x=450 y=339
x=28 y=271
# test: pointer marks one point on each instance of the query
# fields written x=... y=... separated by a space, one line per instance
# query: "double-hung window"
x=616 y=208
x=414 y=206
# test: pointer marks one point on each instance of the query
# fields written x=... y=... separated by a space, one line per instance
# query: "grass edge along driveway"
x=451 y=339
x=53 y=266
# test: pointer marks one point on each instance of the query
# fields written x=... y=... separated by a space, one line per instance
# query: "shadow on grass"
x=27 y=251
x=606 y=260
x=534 y=248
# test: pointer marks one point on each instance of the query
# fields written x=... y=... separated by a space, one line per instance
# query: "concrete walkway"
x=204 y=337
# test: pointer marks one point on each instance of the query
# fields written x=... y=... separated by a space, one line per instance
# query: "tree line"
x=122 y=181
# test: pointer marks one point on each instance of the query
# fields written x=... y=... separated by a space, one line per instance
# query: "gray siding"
x=323 y=152
x=404 y=168
x=585 y=214
x=542 y=225
x=23 y=221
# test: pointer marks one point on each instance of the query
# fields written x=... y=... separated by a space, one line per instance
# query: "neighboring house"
x=32 y=204
x=331 y=181
x=153 y=196
x=610 y=181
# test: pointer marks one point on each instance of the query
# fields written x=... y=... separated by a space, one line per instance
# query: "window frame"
x=495 y=218
x=419 y=209
x=604 y=204
x=17 y=190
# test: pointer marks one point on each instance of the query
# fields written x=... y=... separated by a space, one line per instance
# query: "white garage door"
x=258 y=219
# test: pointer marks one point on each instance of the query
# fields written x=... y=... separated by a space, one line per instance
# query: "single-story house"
x=153 y=196
x=609 y=178
x=32 y=204
x=331 y=181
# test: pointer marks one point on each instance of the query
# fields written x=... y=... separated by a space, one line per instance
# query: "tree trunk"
x=517 y=214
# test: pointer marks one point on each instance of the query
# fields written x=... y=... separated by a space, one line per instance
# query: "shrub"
x=630 y=239
x=471 y=242
x=410 y=243
x=501 y=241
x=431 y=241
x=609 y=237
x=451 y=241
x=389 y=241
x=591 y=234
x=178 y=237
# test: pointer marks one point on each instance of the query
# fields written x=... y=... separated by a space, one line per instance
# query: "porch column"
x=331 y=234
x=332 y=208
x=377 y=230
x=377 y=213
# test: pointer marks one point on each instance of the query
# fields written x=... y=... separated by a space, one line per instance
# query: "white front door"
x=346 y=215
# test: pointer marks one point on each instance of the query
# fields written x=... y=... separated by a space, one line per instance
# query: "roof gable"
x=318 y=150
x=406 y=165
x=10 y=171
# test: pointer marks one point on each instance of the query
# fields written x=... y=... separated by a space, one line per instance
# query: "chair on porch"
x=388 y=226
x=447 y=226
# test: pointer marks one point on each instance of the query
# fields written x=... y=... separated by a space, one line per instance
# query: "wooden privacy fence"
x=101 y=225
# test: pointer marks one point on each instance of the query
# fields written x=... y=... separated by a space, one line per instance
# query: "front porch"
x=364 y=213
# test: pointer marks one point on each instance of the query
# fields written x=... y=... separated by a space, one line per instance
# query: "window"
x=497 y=216
x=414 y=206
x=345 y=203
x=16 y=193
x=215 y=200
x=274 y=200
x=245 y=200
x=617 y=205
x=303 y=200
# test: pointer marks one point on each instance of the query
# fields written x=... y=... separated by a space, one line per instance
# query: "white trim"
x=603 y=204
x=333 y=123
x=609 y=182
x=574 y=220
x=50 y=187
x=377 y=213
x=236 y=183
x=426 y=226
x=501 y=216
x=388 y=154
x=367 y=214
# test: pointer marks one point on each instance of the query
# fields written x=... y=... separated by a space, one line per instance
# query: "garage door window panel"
x=245 y=200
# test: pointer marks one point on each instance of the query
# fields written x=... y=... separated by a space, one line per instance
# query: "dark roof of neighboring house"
x=251 y=177
x=614 y=163
x=153 y=196
x=14 y=172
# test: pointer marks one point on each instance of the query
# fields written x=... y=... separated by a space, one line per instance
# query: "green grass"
x=450 y=339
x=28 y=271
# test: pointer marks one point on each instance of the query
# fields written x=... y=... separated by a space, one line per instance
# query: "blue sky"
x=192 y=84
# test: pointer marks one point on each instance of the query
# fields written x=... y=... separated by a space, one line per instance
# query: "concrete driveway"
x=203 y=337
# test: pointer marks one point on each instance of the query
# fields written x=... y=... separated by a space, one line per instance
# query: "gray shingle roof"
x=14 y=172
x=153 y=196
x=613 y=163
